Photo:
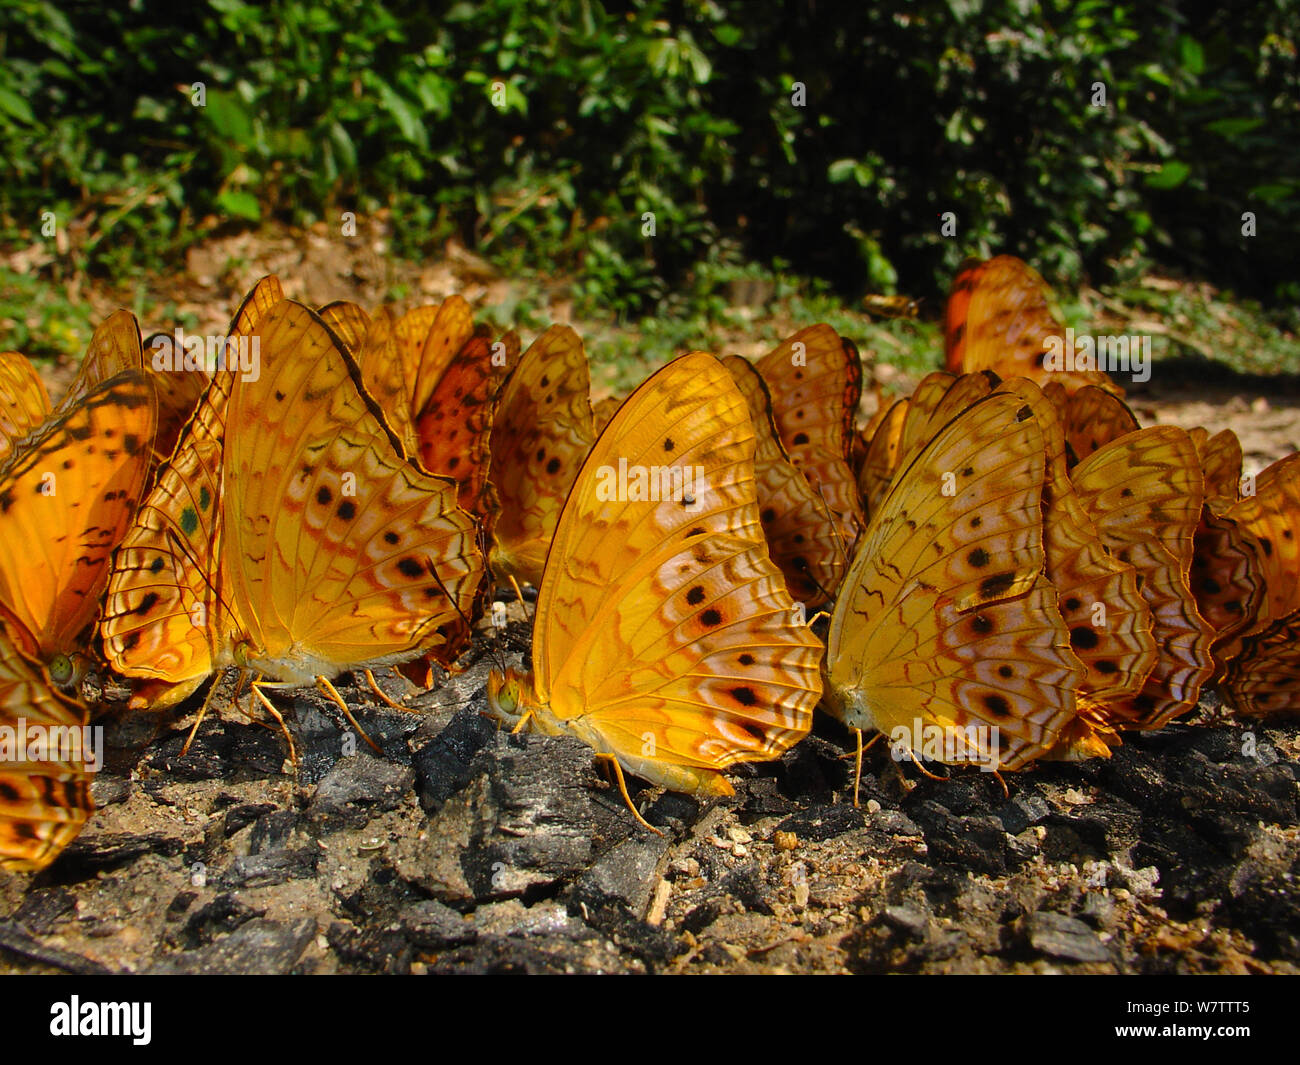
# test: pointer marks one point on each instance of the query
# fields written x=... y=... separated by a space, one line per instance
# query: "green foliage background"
x=680 y=108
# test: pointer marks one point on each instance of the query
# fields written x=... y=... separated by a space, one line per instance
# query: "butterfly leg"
x=523 y=720
x=856 y=755
x=270 y=709
x=374 y=687
x=1006 y=792
x=622 y=787
x=917 y=762
x=203 y=711
x=330 y=692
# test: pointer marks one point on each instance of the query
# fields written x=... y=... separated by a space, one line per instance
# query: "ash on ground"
x=462 y=848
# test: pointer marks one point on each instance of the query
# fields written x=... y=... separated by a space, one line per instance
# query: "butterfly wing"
x=999 y=318
x=801 y=534
x=541 y=434
x=664 y=634
x=44 y=801
x=341 y=552
x=946 y=618
x=24 y=403
x=1144 y=492
x=68 y=493
x=350 y=323
x=815 y=380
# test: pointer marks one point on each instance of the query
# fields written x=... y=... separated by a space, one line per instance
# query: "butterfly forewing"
x=68 y=493
x=541 y=433
x=44 y=796
x=24 y=403
x=1144 y=492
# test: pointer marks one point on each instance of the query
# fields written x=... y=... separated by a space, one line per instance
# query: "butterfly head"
x=507 y=695
x=67 y=670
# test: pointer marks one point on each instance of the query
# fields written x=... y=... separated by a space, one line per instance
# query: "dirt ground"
x=462 y=849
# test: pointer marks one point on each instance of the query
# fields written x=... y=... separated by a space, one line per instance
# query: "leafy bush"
x=546 y=134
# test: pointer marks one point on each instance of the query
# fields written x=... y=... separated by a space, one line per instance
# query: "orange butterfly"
x=815 y=380
x=1262 y=663
x=44 y=783
x=801 y=534
x=289 y=534
x=541 y=433
x=999 y=318
x=24 y=403
x=664 y=636
x=1144 y=491
x=68 y=493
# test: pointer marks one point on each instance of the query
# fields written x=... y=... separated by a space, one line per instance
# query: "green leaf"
x=1169 y=176
x=16 y=107
x=229 y=117
x=1272 y=193
x=1234 y=127
x=1192 y=55
x=240 y=204
x=404 y=114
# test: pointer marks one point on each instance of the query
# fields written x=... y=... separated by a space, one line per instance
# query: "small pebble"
x=785 y=841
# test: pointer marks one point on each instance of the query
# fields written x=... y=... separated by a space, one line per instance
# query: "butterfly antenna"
x=469 y=625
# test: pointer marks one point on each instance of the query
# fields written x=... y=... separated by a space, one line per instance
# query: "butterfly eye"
x=62 y=670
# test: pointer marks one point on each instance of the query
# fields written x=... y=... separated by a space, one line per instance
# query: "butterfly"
x=815 y=380
x=1144 y=492
x=947 y=636
x=1225 y=573
x=664 y=636
x=999 y=318
x=68 y=493
x=541 y=433
x=384 y=374
x=454 y=424
x=603 y=409
x=24 y=403
x=882 y=440
x=302 y=545
x=176 y=375
x=427 y=339
x=891 y=306
x=1262 y=661
x=169 y=658
x=349 y=322
x=44 y=782
x=801 y=534
x=1097 y=593
x=1090 y=416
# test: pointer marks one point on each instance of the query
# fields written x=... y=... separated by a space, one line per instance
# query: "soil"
x=460 y=848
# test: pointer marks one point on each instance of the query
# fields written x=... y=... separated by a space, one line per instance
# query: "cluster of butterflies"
x=1006 y=556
